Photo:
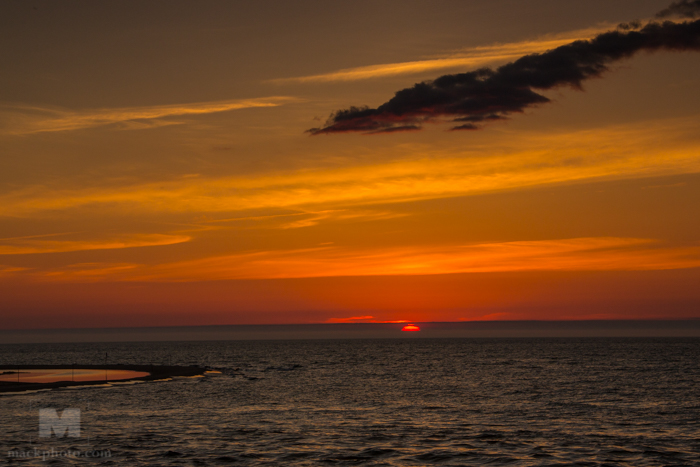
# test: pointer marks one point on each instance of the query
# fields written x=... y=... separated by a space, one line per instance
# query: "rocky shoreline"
x=155 y=372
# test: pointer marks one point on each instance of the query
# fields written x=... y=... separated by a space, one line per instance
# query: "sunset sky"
x=157 y=168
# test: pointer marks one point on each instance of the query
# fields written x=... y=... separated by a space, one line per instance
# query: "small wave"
x=87 y=386
x=284 y=368
x=19 y=393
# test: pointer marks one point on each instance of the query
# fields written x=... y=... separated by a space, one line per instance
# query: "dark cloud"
x=484 y=95
x=683 y=8
x=466 y=126
x=479 y=118
x=394 y=129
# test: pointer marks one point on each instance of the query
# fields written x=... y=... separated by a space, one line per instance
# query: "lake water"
x=397 y=402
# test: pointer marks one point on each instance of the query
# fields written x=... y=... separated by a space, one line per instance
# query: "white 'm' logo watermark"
x=68 y=422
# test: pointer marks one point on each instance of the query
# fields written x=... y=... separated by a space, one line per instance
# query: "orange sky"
x=155 y=169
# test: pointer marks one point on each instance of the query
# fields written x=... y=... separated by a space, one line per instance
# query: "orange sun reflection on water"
x=411 y=328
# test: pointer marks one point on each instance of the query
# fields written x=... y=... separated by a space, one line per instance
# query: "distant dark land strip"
x=155 y=372
x=461 y=329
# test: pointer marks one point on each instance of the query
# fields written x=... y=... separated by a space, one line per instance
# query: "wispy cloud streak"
x=574 y=254
x=578 y=254
x=26 y=120
x=475 y=56
x=518 y=161
x=34 y=246
x=352 y=319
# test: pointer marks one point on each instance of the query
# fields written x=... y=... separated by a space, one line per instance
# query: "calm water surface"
x=398 y=402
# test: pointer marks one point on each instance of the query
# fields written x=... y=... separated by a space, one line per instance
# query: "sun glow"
x=180 y=184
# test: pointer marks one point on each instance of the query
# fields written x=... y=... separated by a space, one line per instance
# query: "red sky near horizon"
x=156 y=169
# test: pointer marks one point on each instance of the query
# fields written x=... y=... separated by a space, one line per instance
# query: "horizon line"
x=600 y=328
x=396 y=323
